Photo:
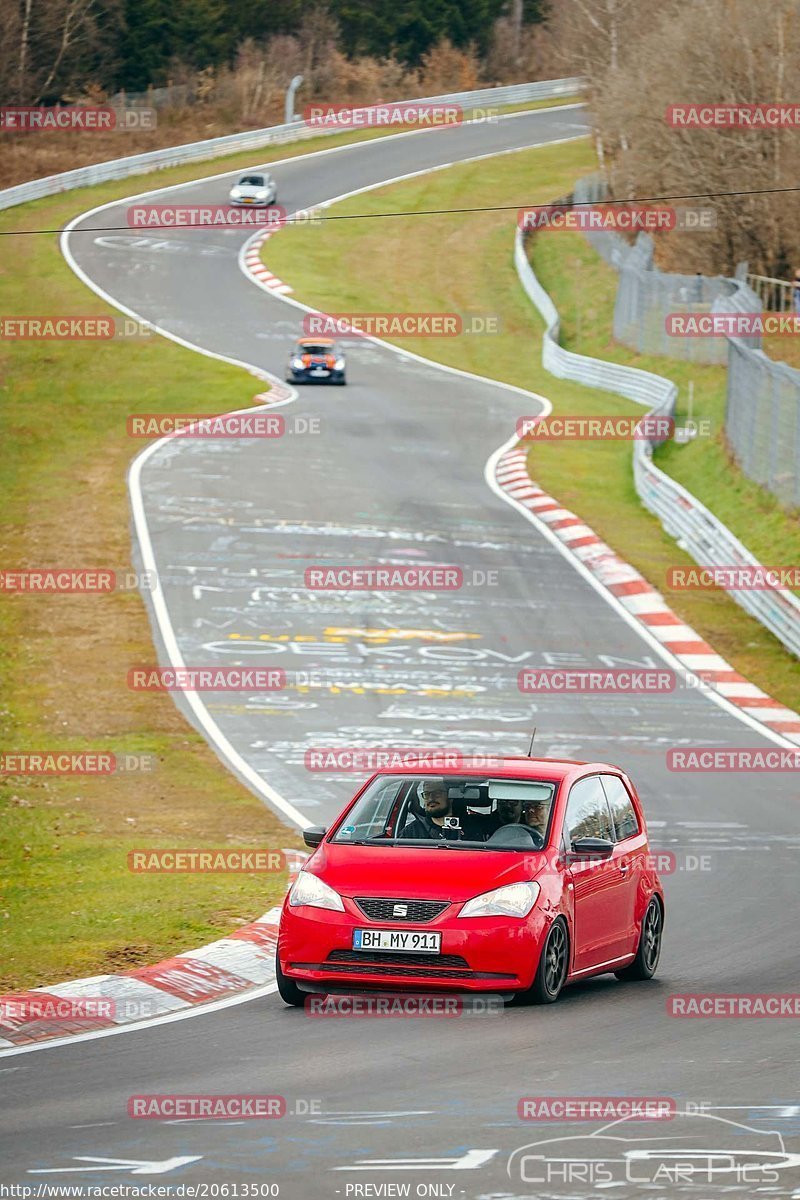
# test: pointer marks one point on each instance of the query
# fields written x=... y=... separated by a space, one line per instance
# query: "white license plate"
x=399 y=941
x=319 y=371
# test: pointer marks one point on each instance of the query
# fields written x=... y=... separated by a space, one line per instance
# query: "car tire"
x=552 y=969
x=645 y=964
x=341 y=382
x=289 y=991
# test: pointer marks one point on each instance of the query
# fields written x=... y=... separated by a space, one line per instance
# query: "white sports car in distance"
x=255 y=189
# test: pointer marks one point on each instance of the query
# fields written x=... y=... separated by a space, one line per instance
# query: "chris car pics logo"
x=690 y=1148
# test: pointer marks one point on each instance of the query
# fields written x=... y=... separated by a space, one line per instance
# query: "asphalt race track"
x=397 y=465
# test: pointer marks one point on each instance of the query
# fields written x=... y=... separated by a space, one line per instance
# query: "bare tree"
x=73 y=24
x=592 y=36
x=44 y=45
x=711 y=51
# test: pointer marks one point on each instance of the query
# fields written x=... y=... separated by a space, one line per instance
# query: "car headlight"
x=298 y=364
x=309 y=889
x=262 y=194
x=236 y=193
x=514 y=900
x=339 y=364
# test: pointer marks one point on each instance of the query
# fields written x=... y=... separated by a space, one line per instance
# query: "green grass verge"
x=463 y=263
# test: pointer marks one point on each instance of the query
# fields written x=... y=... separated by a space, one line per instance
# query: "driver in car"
x=535 y=814
x=435 y=797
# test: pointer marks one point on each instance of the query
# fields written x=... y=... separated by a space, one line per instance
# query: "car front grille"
x=401 y=966
x=421 y=960
x=417 y=911
x=399 y=972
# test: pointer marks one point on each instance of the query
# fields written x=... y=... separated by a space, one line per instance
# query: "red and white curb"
x=242 y=960
x=641 y=600
x=255 y=267
x=279 y=393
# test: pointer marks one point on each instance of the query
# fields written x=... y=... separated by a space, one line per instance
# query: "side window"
x=622 y=810
x=587 y=811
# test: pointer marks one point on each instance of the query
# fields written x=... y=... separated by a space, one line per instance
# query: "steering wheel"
x=517 y=835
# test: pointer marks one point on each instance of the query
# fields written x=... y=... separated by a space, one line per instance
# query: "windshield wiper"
x=363 y=842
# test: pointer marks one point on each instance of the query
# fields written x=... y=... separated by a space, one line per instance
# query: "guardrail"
x=694 y=527
x=776 y=295
x=172 y=156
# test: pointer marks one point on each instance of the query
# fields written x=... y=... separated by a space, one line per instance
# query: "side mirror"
x=592 y=847
x=314 y=835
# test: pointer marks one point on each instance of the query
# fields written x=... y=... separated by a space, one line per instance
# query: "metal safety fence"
x=702 y=535
x=646 y=296
x=139 y=164
x=762 y=421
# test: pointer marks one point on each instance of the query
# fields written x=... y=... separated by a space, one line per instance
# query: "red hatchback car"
x=515 y=880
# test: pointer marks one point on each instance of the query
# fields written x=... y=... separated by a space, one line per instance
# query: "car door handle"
x=623 y=867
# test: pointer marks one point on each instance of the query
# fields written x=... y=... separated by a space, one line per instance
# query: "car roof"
x=314 y=341
x=507 y=766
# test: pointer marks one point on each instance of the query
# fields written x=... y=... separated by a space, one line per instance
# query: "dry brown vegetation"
x=250 y=94
x=641 y=56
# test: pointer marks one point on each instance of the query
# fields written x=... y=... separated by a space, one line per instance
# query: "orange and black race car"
x=316 y=360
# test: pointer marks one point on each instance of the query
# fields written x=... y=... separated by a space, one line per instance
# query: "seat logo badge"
x=400 y=910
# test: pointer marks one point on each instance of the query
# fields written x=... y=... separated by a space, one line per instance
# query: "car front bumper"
x=484 y=954
x=251 y=203
x=333 y=376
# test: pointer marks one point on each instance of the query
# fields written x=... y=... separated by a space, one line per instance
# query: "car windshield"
x=312 y=348
x=251 y=181
x=452 y=811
